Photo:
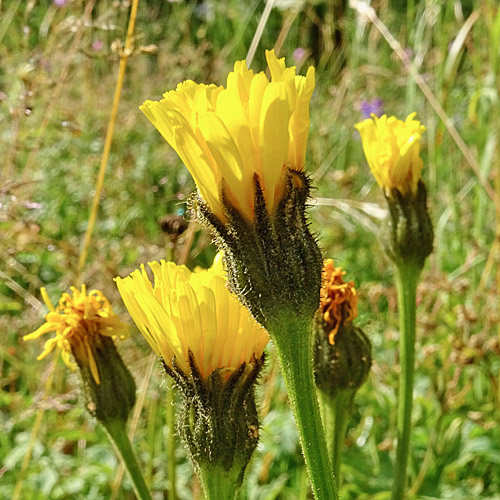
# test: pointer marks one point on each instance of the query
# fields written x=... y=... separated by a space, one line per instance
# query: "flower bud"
x=392 y=149
x=409 y=234
x=212 y=348
x=342 y=351
x=343 y=366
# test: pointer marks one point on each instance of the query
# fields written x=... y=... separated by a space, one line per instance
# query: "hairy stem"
x=406 y=283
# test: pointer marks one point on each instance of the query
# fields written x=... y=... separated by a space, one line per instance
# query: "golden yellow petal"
x=208 y=343
x=222 y=146
x=276 y=66
x=241 y=78
x=232 y=108
x=201 y=167
x=299 y=121
x=48 y=348
x=257 y=89
x=92 y=364
x=273 y=138
x=161 y=334
x=130 y=289
x=45 y=328
x=66 y=356
x=46 y=299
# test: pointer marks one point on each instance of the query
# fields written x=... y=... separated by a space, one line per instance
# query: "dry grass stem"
x=109 y=138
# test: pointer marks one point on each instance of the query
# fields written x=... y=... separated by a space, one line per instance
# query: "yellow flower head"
x=187 y=312
x=225 y=136
x=392 y=149
x=77 y=320
x=339 y=300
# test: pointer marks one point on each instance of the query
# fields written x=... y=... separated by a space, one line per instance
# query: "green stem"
x=219 y=484
x=293 y=342
x=336 y=413
x=170 y=416
x=118 y=435
x=406 y=283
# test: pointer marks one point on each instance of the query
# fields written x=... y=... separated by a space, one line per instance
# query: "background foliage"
x=55 y=100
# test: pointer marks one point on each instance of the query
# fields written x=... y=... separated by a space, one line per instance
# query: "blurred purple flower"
x=375 y=107
x=97 y=45
x=298 y=54
x=60 y=3
x=409 y=52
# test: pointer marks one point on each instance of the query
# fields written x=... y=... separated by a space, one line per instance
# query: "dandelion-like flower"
x=78 y=319
x=339 y=300
x=245 y=146
x=188 y=315
x=392 y=149
x=228 y=136
x=213 y=349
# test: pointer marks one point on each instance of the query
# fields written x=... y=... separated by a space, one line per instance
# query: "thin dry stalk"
x=109 y=138
x=258 y=32
x=7 y=18
x=285 y=29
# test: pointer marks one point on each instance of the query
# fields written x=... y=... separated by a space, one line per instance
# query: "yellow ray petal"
x=273 y=137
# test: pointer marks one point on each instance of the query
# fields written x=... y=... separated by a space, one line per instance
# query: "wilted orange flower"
x=339 y=300
x=77 y=320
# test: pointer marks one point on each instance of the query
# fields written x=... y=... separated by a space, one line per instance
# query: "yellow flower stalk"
x=186 y=314
x=392 y=149
x=227 y=136
x=76 y=321
x=338 y=300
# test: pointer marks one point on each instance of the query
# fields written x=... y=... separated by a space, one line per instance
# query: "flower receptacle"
x=344 y=365
x=114 y=397
x=273 y=262
x=218 y=420
x=409 y=238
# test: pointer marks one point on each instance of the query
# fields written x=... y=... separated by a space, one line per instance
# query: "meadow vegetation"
x=57 y=77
